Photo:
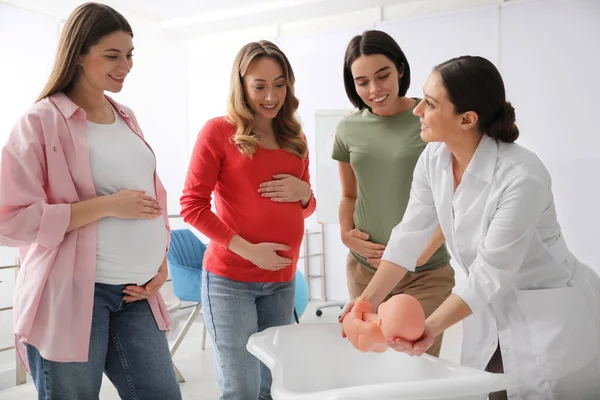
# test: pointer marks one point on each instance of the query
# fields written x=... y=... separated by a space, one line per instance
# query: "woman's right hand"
x=359 y=242
x=416 y=348
x=264 y=255
x=133 y=204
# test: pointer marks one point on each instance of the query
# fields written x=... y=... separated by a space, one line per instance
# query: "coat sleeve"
x=410 y=237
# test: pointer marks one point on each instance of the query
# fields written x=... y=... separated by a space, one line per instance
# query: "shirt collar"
x=67 y=107
x=483 y=163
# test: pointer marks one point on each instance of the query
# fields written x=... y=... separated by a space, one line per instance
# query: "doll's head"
x=402 y=316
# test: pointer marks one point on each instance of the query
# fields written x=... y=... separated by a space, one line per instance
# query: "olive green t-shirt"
x=383 y=152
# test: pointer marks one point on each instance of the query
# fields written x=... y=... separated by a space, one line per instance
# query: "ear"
x=401 y=71
x=469 y=120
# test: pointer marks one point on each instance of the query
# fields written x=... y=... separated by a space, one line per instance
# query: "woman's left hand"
x=413 y=348
x=285 y=189
x=136 y=293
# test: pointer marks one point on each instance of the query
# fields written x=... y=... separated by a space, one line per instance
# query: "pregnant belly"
x=137 y=245
x=281 y=224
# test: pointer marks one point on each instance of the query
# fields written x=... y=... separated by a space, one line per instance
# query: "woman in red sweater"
x=255 y=160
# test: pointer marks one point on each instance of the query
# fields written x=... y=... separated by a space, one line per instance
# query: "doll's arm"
x=362 y=327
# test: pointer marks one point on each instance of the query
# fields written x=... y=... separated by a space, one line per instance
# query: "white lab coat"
x=523 y=285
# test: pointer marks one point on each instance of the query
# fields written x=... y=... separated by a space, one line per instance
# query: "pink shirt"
x=44 y=168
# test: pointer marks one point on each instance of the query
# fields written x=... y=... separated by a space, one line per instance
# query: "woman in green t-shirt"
x=377 y=149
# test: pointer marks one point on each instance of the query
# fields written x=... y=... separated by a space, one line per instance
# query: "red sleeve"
x=201 y=179
x=312 y=203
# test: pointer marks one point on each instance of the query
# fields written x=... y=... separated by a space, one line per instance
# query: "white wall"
x=27 y=43
x=550 y=54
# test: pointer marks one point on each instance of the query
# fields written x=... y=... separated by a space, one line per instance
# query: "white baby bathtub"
x=313 y=361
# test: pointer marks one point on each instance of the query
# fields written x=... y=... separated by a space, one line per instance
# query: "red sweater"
x=218 y=166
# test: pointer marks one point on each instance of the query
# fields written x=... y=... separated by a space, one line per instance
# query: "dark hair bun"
x=503 y=127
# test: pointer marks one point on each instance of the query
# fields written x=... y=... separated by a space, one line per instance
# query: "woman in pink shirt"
x=81 y=198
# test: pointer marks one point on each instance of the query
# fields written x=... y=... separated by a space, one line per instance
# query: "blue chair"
x=185 y=265
x=185 y=257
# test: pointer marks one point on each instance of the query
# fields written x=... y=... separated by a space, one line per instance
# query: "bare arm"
x=240 y=246
x=349 y=194
x=385 y=279
x=87 y=211
x=263 y=255
x=124 y=204
x=452 y=310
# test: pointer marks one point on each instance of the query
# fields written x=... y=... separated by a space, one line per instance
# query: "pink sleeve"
x=26 y=217
x=201 y=179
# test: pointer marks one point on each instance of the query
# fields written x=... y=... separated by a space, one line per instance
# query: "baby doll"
x=400 y=317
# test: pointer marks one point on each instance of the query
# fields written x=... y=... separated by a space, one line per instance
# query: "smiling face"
x=376 y=80
x=439 y=121
x=265 y=87
x=107 y=63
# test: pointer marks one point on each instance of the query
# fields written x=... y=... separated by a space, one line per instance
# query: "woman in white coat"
x=530 y=308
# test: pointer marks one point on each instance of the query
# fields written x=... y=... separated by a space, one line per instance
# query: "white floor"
x=196 y=365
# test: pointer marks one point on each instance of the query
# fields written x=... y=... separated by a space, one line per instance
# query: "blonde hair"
x=84 y=28
x=288 y=131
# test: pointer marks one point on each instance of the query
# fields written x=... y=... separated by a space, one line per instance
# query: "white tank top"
x=128 y=251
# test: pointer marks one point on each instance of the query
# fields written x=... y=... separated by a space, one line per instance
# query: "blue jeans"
x=125 y=343
x=233 y=311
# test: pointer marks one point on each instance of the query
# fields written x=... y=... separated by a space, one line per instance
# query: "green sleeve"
x=340 y=150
